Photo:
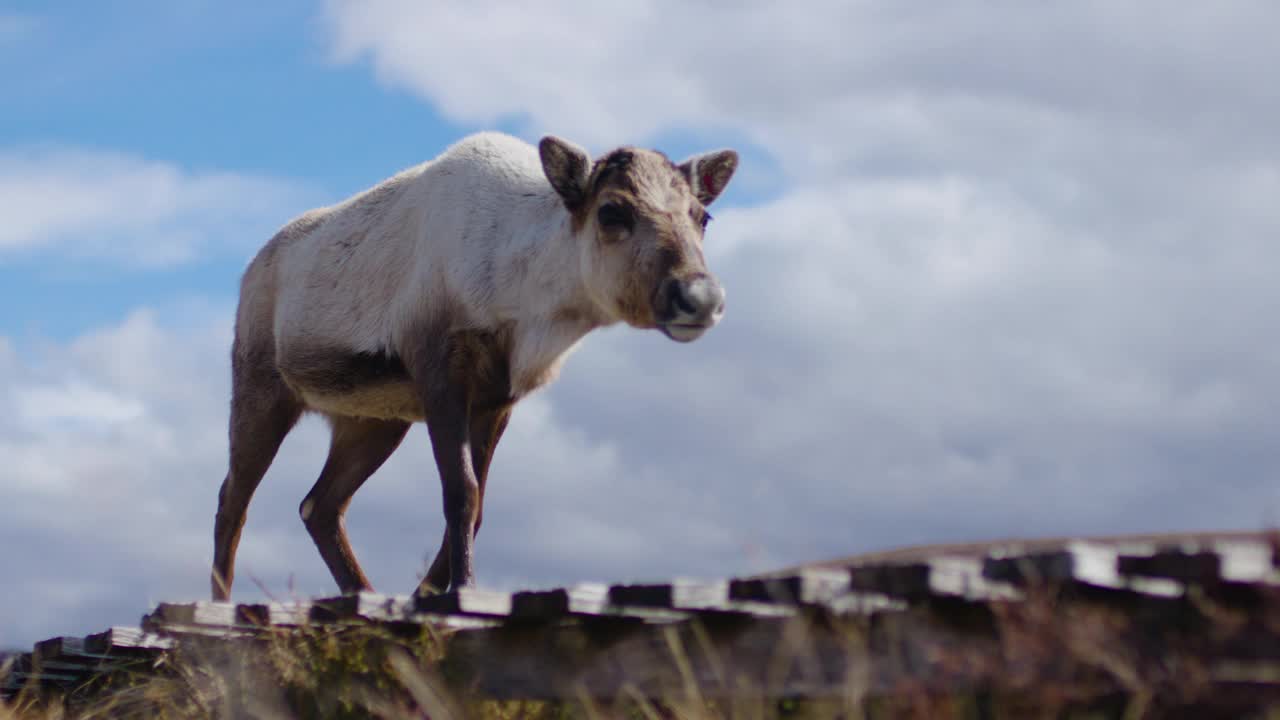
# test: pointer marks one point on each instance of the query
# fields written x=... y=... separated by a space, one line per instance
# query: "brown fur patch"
x=640 y=173
x=574 y=316
x=336 y=371
x=338 y=381
x=480 y=360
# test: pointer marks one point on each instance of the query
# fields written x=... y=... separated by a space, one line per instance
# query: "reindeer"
x=446 y=294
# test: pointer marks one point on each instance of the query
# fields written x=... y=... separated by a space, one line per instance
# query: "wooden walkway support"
x=1190 y=621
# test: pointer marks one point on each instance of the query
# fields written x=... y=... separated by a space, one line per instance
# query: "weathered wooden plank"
x=1094 y=565
x=72 y=665
x=1088 y=565
x=1247 y=562
x=467 y=601
x=29 y=676
x=58 y=661
x=688 y=599
x=1238 y=562
x=682 y=594
x=942 y=577
x=125 y=641
x=223 y=620
x=456 y=622
x=200 y=613
x=66 y=661
x=58 y=647
x=273 y=614
x=907 y=580
x=23 y=672
x=362 y=606
x=585 y=599
x=1202 y=567
x=808 y=587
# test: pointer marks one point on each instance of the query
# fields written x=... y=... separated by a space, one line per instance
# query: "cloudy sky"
x=994 y=269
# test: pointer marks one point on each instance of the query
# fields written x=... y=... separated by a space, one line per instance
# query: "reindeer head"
x=640 y=219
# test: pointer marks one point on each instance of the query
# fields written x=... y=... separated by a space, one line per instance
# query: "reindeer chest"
x=480 y=360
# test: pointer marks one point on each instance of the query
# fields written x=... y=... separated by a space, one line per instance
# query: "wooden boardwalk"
x=1197 y=616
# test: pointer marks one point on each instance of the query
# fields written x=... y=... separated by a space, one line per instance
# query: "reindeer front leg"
x=487 y=427
x=449 y=427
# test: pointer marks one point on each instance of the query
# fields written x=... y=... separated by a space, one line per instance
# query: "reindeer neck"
x=547 y=298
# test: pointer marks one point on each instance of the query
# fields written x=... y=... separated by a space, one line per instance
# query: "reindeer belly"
x=353 y=384
x=391 y=401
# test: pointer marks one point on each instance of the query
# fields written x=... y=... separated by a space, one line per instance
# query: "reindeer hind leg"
x=358 y=448
x=263 y=411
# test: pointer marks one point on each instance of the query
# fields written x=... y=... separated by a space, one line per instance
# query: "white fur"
x=477 y=235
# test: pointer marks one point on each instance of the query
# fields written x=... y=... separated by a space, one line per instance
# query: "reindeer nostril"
x=679 y=301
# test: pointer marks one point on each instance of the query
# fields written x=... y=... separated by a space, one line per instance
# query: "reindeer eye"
x=702 y=217
x=613 y=216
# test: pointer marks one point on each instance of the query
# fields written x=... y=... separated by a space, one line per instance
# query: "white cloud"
x=832 y=82
x=92 y=204
x=74 y=400
x=111 y=443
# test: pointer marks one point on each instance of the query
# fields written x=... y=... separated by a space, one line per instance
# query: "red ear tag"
x=708 y=184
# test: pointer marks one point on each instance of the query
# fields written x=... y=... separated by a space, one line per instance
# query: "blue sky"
x=994 y=270
x=182 y=81
x=206 y=87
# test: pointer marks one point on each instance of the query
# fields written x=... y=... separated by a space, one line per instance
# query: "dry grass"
x=1051 y=659
x=358 y=671
x=349 y=671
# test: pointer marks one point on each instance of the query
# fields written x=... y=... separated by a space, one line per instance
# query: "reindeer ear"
x=709 y=173
x=567 y=168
